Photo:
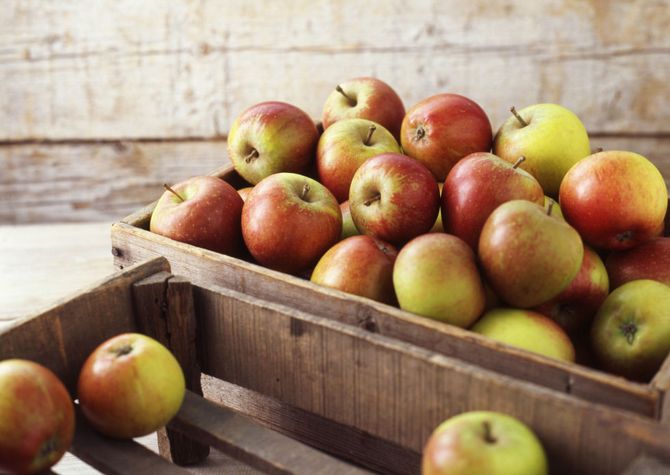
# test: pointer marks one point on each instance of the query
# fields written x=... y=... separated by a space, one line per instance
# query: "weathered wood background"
x=102 y=101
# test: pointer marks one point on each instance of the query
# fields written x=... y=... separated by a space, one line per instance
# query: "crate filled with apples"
x=520 y=251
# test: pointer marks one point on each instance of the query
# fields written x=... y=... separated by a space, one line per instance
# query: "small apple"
x=442 y=129
x=394 y=198
x=244 y=192
x=649 y=260
x=631 y=331
x=529 y=256
x=344 y=146
x=435 y=275
x=477 y=185
x=365 y=98
x=528 y=330
x=551 y=137
x=616 y=200
x=348 y=226
x=130 y=386
x=483 y=443
x=271 y=137
x=289 y=221
x=574 y=308
x=203 y=211
x=36 y=417
x=360 y=265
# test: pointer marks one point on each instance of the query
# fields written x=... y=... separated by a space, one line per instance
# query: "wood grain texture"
x=400 y=392
x=123 y=69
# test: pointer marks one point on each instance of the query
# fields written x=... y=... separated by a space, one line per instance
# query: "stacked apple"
x=516 y=236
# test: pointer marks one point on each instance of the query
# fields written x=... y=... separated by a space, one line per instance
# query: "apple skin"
x=289 y=221
x=360 y=265
x=442 y=129
x=630 y=335
x=244 y=192
x=348 y=226
x=374 y=100
x=615 y=199
x=130 y=386
x=528 y=330
x=343 y=148
x=394 y=198
x=435 y=276
x=649 y=260
x=476 y=186
x=208 y=218
x=552 y=142
x=528 y=256
x=283 y=136
x=36 y=417
x=574 y=308
x=483 y=443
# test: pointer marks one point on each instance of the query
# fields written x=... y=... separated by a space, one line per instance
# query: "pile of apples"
x=526 y=237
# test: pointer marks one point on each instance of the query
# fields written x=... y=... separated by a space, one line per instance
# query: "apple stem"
x=519 y=161
x=305 y=190
x=252 y=155
x=171 y=190
x=370 y=132
x=123 y=350
x=352 y=101
x=488 y=437
x=550 y=206
x=518 y=117
x=371 y=200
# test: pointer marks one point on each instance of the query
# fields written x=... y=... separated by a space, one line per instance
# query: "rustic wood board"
x=108 y=69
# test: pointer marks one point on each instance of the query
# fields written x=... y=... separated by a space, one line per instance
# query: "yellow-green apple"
x=244 y=192
x=574 y=308
x=344 y=146
x=528 y=330
x=36 y=417
x=649 y=260
x=631 y=331
x=483 y=443
x=435 y=275
x=289 y=221
x=529 y=256
x=394 y=198
x=360 y=265
x=348 y=226
x=203 y=211
x=615 y=199
x=477 y=185
x=551 y=137
x=365 y=98
x=130 y=386
x=271 y=137
x=442 y=129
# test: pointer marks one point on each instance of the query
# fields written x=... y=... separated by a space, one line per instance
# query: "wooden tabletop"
x=42 y=264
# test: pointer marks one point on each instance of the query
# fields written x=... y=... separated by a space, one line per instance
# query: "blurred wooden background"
x=102 y=101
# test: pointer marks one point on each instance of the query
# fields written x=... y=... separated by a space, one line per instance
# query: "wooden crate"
x=359 y=395
x=132 y=243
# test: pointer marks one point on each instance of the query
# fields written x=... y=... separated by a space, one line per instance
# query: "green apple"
x=435 y=276
x=526 y=329
x=551 y=137
x=483 y=443
x=631 y=331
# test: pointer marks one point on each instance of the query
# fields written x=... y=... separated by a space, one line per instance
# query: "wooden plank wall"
x=102 y=101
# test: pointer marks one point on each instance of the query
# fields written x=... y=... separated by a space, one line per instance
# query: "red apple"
x=271 y=137
x=442 y=129
x=649 y=260
x=616 y=200
x=289 y=221
x=36 y=417
x=130 y=386
x=360 y=265
x=476 y=186
x=203 y=211
x=574 y=308
x=393 y=198
x=344 y=146
x=348 y=226
x=365 y=98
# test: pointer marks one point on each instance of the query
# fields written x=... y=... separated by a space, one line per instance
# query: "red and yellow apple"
x=649 y=260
